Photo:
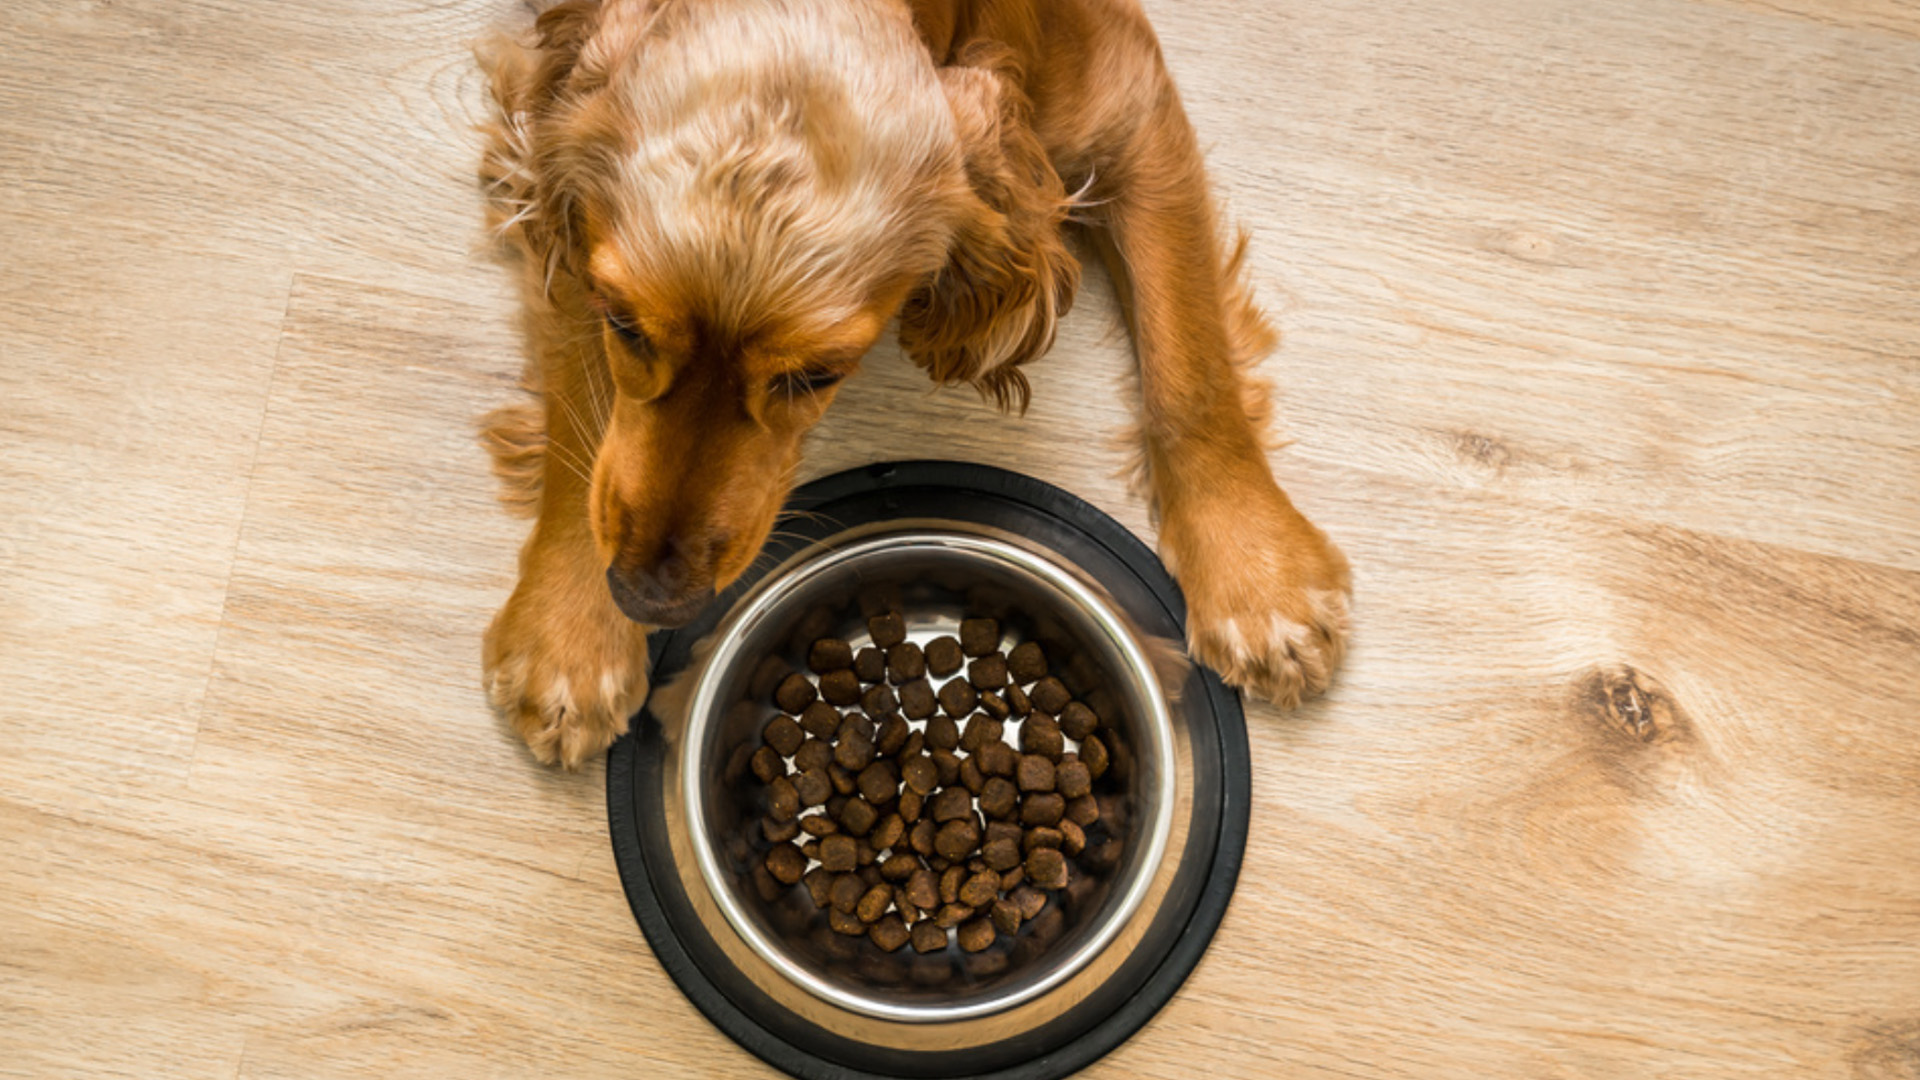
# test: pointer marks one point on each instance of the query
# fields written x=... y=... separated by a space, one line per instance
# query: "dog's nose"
x=669 y=593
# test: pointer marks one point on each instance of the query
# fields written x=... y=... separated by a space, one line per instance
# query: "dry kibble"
x=928 y=937
x=950 y=881
x=1017 y=701
x=838 y=852
x=971 y=777
x=1001 y=854
x=978 y=637
x=1034 y=773
x=1006 y=916
x=854 y=748
x=783 y=802
x=1043 y=836
x=879 y=782
x=1073 y=839
x=840 y=687
x=779 y=832
x=811 y=849
x=818 y=825
x=998 y=799
x=1072 y=779
x=998 y=759
x=988 y=673
x=947 y=764
x=951 y=804
x=795 y=693
x=766 y=764
x=786 y=864
x=975 y=936
x=1047 y=868
x=942 y=732
x=846 y=922
x=858 y=816
x=905 y=662
x=920 y=837
x=1045 y=809
x=916 y=744
x=1083 y=811
x=874 y=903
x=887 y=833
x=916 y=699
x=1049 y=695
x=844 y=784
x=944 y=656
x=920 y=775
x=887 y=630
x=829 y=654
x=995 y=706
x=956 y=839
x=923 y=890
x=870 y=664
x=1011 y=879
x=1076 y=721
x=889 y=933
x=910 y=804
x=878 y=700
x=1041 y=735
x=977 y=891
x=820 y=720
x=1026 y=662
x=957 y=697
x=1029 y=900
x=819 y=882
x=1094 y=753
x=865 y=856
x=845 y=892
x=814 y=754
x=981 y=730
x=893 y=735
x=952 y=915
x=784 y=735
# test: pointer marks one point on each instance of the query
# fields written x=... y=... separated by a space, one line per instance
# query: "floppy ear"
x=1009 y=276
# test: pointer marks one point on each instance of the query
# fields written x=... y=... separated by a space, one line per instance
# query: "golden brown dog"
x=721 y=204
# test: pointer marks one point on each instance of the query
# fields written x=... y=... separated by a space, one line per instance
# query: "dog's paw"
x=1267 y=594
x=566 y=680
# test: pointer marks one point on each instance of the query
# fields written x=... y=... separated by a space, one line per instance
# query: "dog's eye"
x=794 y=383
x=633 y=336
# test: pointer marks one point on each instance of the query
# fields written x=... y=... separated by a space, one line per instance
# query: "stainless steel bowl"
x=766 y=949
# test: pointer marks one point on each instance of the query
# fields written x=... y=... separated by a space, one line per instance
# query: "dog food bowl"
x=935 y=541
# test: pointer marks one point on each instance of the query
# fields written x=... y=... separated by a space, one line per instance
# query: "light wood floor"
x=1602 y=361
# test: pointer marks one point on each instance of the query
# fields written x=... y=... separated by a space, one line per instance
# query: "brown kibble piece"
x=1047 y=868
x=1029 y=900
x=1072 y=779
x=819 y=882
x=1049 y=695
x=878 y=700
x=844 y=784
x=887 y=630
x=900 y=867
x=1011 y=879
x=786 y=864
x=1004 y=830
x=1041 y=810
x=870 y=664
x=1001 y=854
x=811 y=849
x=1073 y=839
x=766 y=765
x=971 y=777
x=1041 y=735
x=917 y=699
x=978 y=637
x=976 y=935
x=981 y=730
x=854 y=750
x=829 y=654
x=889 y=934
x=820 y=720
x=923 y=890
x=840 y=687
x=784 y=735
x=919 y=775
x=947 y=764
x=783 y=802
x=1034 y=773
x=916 y=744
x=874 y=903
x=813 y=754
x=846 y=922
x=988 y=673
x=795 y=693
x=920 y=837
x=818 y=825
x=779 y=832
x=905 y=662
x=845 y=892
x=838 y=852
x=977 y=891
x=928 y=937
x=893 y=735
x=942 y=732
x=995 y=707
x=910 y=805
x=1094 y=753
x=956 y=839
x=998 y=759
x=1017 y=701
x=952 y=915
x=1006 y=916
x=957 y=697
x=951 y=804
x=1026 y=662
x=950 y=881
x=1083 y=811
x=865 y=855
x=887 y=833
x=878 y=782
x=1077 y=721
x=858 y=816
x=944 y=656
x=1043 y=836
x=998 y=799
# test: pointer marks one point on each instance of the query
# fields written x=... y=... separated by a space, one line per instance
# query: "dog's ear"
x=1009 y=276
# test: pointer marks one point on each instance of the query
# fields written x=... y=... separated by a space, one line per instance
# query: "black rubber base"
x=1222 y=782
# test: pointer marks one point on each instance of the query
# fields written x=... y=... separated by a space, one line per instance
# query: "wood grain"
x=1602 y=361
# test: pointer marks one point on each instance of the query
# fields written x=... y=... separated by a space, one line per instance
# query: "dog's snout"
x=671 y=589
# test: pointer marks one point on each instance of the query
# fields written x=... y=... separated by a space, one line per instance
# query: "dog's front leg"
x=1267 y=592
x=562 y=663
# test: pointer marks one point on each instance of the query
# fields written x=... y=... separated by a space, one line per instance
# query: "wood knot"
x=1633 y=705
x=1485 y=450
x=1887 y=1051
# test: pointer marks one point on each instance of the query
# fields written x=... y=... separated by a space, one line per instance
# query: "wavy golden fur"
x=718 y=206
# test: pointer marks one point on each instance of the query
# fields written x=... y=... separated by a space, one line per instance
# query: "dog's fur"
x=721 y=204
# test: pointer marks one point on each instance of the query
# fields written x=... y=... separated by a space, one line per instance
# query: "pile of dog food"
x=936 y=794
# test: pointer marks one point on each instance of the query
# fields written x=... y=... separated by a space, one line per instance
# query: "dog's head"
x=742 y=208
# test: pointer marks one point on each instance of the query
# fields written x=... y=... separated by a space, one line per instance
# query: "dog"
x=718 y=206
